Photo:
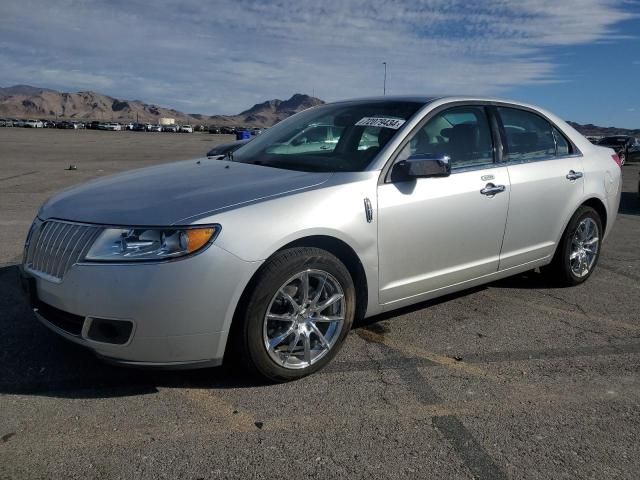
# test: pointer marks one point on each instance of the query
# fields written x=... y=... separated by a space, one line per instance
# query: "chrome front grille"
x=54 y=246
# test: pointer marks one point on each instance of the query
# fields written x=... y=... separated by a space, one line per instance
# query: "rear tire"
x=283 y=331
x=577 y=254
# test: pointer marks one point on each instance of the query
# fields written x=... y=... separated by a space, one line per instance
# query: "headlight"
x=144 y=244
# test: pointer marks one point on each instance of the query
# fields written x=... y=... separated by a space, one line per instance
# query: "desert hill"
x=25 y=101
x=596 y=131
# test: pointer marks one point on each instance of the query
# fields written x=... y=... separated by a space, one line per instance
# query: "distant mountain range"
x=590 y=130
x=25 y=101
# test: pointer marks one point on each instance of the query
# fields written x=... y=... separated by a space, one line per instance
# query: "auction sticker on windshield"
x=394 y=123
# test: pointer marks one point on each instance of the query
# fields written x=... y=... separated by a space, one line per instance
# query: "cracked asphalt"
x=512 y=380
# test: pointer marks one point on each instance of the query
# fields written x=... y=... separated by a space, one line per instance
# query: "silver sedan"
x=271 y=253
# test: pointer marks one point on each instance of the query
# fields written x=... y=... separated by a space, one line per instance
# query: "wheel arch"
x=339 y=248
x=594 y=202
x=599 y=206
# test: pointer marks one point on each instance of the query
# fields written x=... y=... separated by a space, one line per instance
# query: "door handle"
x=490 y=190
x=574 y=175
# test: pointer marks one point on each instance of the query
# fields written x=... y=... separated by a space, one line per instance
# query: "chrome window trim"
x=509 y=163
x=476 y=168
x=514 y=162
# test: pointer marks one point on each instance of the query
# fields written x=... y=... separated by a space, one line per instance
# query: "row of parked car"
x=141 y=127
x=16 y=122
x=96 y=125
x=627 y=147
x=132 y=126
x=235 y=130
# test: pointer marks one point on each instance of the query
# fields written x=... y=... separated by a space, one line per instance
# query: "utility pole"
x=384 y=85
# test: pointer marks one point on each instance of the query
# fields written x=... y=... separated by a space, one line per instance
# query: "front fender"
x=255 y=232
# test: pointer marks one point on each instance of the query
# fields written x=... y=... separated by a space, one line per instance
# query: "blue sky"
x=578 y=58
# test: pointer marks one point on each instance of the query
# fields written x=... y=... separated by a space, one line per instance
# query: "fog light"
x=104 y=330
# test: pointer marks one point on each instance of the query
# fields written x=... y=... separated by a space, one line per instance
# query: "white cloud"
x=225 y=55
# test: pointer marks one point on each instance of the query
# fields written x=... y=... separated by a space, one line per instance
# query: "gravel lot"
x=512 y=380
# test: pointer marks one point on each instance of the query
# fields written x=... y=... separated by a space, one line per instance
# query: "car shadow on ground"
x=35 y=361
x=629 y=203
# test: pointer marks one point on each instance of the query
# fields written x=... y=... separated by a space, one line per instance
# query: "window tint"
x=316 y=138
x=317 y=134
x=530 y=137
x=336 y=132
x=461 y=133
x=373 y=137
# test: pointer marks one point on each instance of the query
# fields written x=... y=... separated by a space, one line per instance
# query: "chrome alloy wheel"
x=584 y=247
x=304 y=319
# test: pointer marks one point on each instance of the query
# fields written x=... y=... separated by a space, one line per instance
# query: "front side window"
x=530 y=137
x=461 y=133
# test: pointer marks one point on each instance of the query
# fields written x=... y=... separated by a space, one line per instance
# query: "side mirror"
x=422 y=165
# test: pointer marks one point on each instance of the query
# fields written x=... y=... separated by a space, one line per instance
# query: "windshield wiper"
x=230 y=155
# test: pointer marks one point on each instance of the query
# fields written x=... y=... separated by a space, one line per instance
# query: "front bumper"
x=179 y=312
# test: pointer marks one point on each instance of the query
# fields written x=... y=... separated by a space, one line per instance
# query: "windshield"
x=343 y=137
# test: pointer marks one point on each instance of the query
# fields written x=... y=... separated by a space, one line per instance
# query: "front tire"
x=297 y=316
x=577 y=254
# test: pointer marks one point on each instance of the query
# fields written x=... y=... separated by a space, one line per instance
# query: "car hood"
x=175 y=193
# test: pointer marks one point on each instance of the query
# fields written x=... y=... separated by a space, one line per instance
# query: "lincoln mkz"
x=340 y=212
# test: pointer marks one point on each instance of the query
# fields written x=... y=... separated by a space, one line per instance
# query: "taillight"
x=616 y=159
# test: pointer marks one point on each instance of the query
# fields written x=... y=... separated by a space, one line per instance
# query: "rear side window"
x=530 y=137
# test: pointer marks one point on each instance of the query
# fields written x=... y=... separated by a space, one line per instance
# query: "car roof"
x=427 y=99
x=392 y=98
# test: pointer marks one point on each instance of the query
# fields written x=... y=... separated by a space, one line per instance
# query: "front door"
x=438 y=232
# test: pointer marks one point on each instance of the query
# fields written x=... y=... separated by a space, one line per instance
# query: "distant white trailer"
x=167 y=121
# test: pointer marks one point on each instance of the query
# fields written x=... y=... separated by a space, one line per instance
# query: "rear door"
x=546 y=176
